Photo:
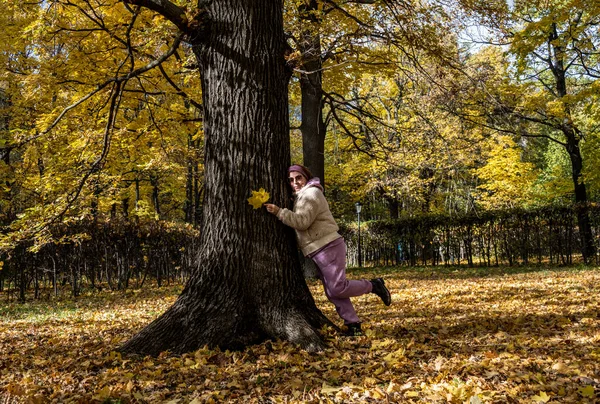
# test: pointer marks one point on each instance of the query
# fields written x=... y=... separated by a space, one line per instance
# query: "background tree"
x=65 y=66
x=334 y=41
x=402 y=148
x=552 y=65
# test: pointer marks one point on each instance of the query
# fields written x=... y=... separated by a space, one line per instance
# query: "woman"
x=318 y=238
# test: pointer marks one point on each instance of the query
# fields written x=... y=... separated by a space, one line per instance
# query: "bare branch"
x=509 y=130
x=590 y=71
x=335 y=6
x=354 y=138
x=301 y=71
x=180 y=92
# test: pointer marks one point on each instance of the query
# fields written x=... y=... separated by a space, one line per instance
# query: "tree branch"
x=179 y=90
x=169 y=10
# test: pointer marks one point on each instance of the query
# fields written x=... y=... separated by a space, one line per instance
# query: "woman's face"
x=297 y=180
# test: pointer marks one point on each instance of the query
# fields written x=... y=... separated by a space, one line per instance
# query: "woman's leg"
x=343 y=306
x=331 y=262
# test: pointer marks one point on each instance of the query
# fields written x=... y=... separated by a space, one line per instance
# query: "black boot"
x=380 y=290
x=353 y=330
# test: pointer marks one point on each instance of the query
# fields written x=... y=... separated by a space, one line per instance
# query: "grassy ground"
x=498 y=335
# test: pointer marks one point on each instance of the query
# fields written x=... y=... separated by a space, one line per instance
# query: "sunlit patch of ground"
x=499 y=335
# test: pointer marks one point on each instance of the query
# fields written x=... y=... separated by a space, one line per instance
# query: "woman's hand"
x=274 y=209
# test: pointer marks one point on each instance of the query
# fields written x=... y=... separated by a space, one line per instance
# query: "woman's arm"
x=305 y=211
x=274 y=209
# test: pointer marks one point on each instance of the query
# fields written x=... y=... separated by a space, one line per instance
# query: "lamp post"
x=358 y=209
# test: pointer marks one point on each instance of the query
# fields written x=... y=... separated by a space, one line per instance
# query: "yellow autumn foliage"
x=507 y=180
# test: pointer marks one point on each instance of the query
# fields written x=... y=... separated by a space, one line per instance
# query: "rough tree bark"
x=248 y=285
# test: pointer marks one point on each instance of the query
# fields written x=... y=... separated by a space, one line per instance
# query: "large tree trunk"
x=248 y=285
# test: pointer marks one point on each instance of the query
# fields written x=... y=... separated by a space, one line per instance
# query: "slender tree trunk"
x=125 y=207
x=311 y=87
x=137 y=192
x=393 y=208
x=248 y=284
x=573 y=139
x=583 y=218
x=155 y=194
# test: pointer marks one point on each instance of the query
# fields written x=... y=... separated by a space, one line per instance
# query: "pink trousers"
x=331 y=264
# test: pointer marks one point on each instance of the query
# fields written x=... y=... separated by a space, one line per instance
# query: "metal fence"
x=511 y=237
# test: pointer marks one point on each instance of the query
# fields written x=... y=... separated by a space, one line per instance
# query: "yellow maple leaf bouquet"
x=258 y=198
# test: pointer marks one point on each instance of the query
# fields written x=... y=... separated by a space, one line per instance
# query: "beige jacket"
x=311 y=218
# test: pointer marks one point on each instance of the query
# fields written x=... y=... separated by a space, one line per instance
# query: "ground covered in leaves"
x=451 y=335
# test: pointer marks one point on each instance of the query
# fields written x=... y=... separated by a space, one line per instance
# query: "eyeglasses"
x=297 y=178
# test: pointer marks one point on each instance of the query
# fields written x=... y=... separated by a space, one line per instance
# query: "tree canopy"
x=391 y=91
